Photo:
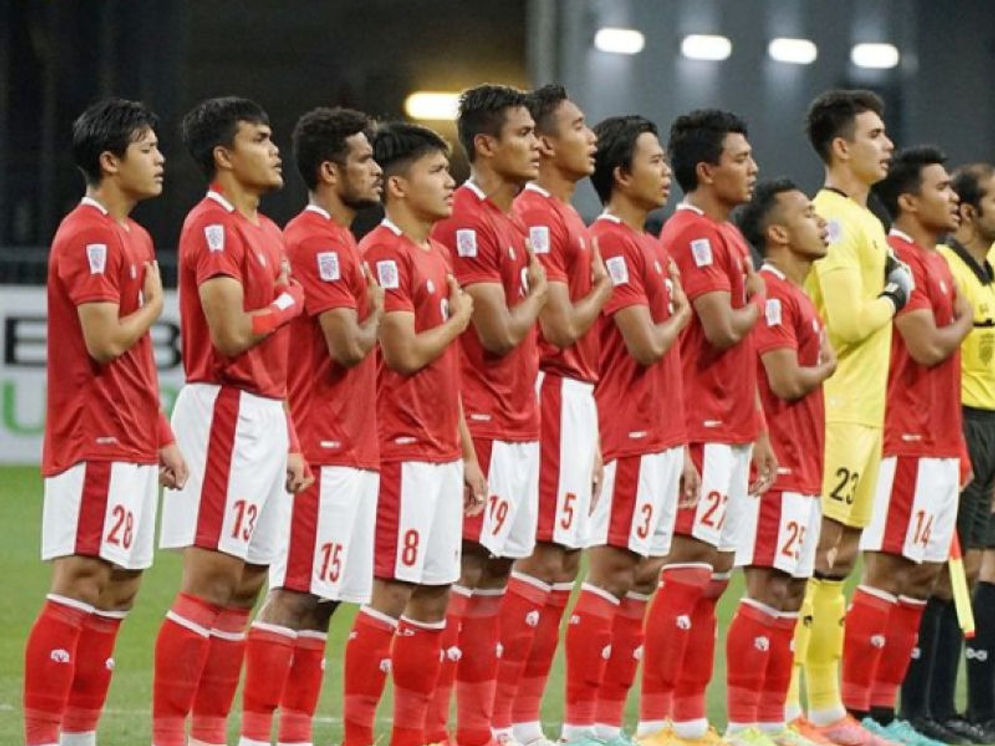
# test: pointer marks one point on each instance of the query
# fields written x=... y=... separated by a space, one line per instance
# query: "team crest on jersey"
x=328 y=266
x=466 y=242
x=387 y=274
x=834 y=230
x=96 y=254
x=701 y=250
x=617 y=270
x=429 y=285
x=772 y=311
x=539 y=239
x=215 y=235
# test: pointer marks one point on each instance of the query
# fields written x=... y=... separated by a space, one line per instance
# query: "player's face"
x=870 y=149
x=736 y=172
x=650 y=173
x=362 y=177
x=140 y=171
x=937 y=202
x=984 y=216
x=255 y=158
x=808 y=234
x=430 y=187
x=516 y=152
x=574 y=142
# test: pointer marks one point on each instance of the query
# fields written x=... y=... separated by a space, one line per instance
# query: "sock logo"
x=406 y=632
x=109 y=664
x=978 y=654
x=606 y=652
x=352 y=636
x=637 y=654
x=385 y=665
x=574 y=619
x=683 y=622
x=59 y=655
x=323 y=662
x=916 y=652
x=532 y=618
x=499 y=650
x=761 y=643
x=877 y=641
x=453 y=653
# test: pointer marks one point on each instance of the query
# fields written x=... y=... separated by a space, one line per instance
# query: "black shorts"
x=975 y=525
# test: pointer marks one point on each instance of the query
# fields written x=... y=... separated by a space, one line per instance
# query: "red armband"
x=288 y=304
x=295 y=443
x=166 y=436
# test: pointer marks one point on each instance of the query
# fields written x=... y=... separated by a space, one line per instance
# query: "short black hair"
x=696 y=138
x=109 y=125
x=753 y=218
x=905 y=175
x=966 y=181
x=832 y=115
x=320 y=135
x=482 y=111
x=542 y=104
x=616 y=143
x=214 y=122
x=396 y=145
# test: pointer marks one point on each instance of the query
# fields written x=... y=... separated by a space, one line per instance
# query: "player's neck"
x=555 y=182
x=920 y=234
x=111 y=198
x=627 y=211
x=330 y=202
x=242 y=198
x=706 y=201
x=414 y=228
x=495 y=187
x=975 y=245
x=841 y=179
x=792 y=266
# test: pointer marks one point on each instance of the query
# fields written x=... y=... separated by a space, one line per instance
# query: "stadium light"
x=793 y=51
x=432 y=105
x=619 y=40
x=876 y=56
x=706 y=47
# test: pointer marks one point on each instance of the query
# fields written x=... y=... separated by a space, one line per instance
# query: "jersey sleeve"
x=475 y=250
x=777 y=327
x=90 y=266
x=393 y=273
x=215 y=248
x=703 y=259
x=327 y=273
x=549 y=241
x=625 y=266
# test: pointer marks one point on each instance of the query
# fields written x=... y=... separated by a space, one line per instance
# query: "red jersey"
x=922 y=412
x=417 y=415
x=330 y=404
x=216 y=241
x=721 y=384
x=797 y=428
x=97 y=412
x=488 y=245
x=640 y=408
x=561 y=241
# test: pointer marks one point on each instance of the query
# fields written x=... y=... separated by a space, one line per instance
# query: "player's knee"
x=794 y=594
x=920 y=580
x=390 y=597
x=495 y=572
x=119 y=594
x=287 y=608
x=81 y=578
x=647 y=576
x=428 y=603
x=569 y=566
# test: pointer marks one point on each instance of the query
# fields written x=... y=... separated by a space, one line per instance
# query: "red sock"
x=866 y=627
x=521 y=610
x=94 y=667
x=415 y=667
x=269 y=652
x=180 y=653
x=903 y=633
x=531 y=686
x=476 y=672
x=437 y=717
x=777 y=677
x=747 y=656
x=303 y=687
x=668 y=629
x=620 y=671
x=367 y=661
x=49 y=665
x=699 y=656
x=588 y=646
x=219 y=680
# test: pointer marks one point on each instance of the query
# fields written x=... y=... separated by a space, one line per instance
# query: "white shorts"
x=638 y=503
x=915 y=508
x=235 y=444
x=332 y=529
x=782 y=532
x=102 y=509
x=720 y=515
x=507 y=525
x=569 y=444
x=419 y=522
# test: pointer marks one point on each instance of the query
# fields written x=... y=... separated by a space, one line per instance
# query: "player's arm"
x=476 y=484
x=408 y=351
x=724 y=326
x=929 y=344
x=646 y=341
x=789 y=380
x=849 y=314
x=564 y=322
x=350 y=340
x=107 y=335
x=500 y=328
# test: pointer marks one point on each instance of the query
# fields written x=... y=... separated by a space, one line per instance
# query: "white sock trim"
x=535 y=582
x=378 y=615
x=275 y=629
x=111 y=613
x=878 y=593
x=599 y=592
x=768 y=610
x=312 y=634
x=563 y=586
x=490 y=592
x=909 y=601
x=229 y=636
x=72 y=603
x=638 y=596
x=461 y=590
x=424 y=625
x=187 y=624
